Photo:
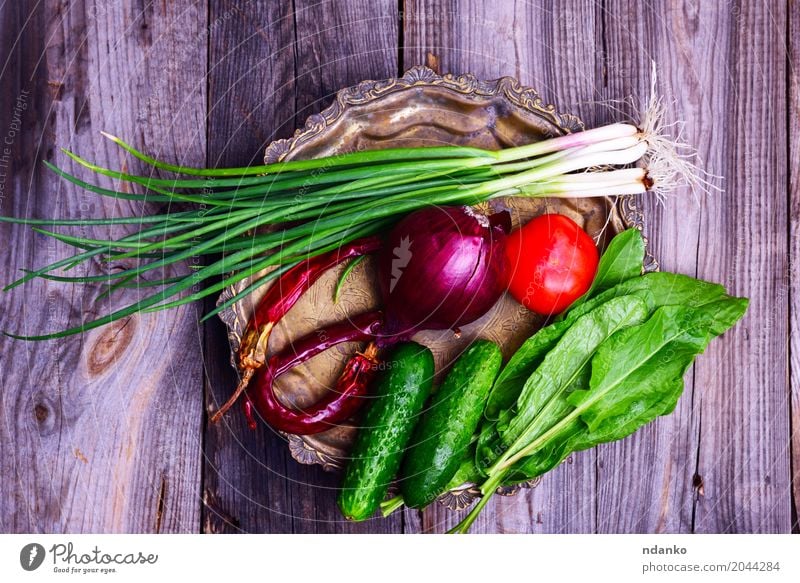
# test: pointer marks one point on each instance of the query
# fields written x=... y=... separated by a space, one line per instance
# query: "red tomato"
x=552 y=261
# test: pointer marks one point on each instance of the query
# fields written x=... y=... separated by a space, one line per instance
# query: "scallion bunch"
x=274 y=216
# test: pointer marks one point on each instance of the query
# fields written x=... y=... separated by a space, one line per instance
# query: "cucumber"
x=446 y=429
x=386 y=429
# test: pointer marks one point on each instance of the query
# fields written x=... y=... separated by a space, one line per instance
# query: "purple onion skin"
x=441 y=268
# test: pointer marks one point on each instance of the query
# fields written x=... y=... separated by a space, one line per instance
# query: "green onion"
x=274 y=215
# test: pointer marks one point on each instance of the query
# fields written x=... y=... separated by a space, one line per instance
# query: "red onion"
x=441 y=267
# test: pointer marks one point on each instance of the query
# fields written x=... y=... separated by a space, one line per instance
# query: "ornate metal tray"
x=419 y=108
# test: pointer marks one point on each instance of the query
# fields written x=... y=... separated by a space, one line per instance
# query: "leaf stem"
x=390 y=505
x=488 y=488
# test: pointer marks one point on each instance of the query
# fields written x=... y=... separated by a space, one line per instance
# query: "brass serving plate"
x=419 y=108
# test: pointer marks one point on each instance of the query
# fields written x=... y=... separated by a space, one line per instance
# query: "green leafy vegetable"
x=661 y=289
x=539 y=399
x=526 y=359
x=656 y=289
x=621 y=398
x=635 y=375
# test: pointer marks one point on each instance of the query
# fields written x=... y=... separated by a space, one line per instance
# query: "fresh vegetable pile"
x=610 y=364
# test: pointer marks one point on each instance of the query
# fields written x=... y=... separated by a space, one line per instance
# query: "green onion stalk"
x=249 y=220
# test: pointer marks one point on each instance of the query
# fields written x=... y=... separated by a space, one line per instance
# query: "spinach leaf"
x=656 y=356
x=636 y=375
x=525 y=360
x=660 y=289
x=656 y=289
x=560 y=368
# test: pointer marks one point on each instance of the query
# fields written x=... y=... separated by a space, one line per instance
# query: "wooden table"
x=108 y=432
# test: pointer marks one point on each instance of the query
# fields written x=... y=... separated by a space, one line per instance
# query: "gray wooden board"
x=101 y=432
x=743 y=457
x=660 y=499
x=107 y=432
x=250 y=86
x=793 y=194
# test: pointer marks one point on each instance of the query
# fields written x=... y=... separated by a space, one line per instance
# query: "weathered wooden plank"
x=745 y=426
x=793 y=166
x=101 y=430
x=552 y=48
x=251 y=97
x=266 y=77
x=340 y=44
x=743 y=458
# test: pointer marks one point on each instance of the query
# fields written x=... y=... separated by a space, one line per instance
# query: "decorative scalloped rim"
x=305 y=454
x=525 y=98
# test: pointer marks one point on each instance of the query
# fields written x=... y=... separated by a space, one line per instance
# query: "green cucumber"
x=446 y=429
x=386 y=429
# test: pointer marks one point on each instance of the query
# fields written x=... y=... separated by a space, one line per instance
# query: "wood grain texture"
x=740 y=382
x=745 y=397
x=340 y=44
x=793 y=134
x=92 y=439
x=270 y=68
x=683 y=235
x=250 y=85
